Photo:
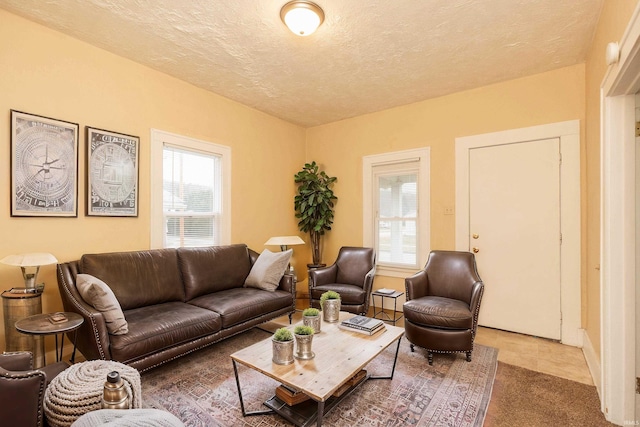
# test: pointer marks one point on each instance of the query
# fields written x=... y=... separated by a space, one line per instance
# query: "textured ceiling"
x=367 y=56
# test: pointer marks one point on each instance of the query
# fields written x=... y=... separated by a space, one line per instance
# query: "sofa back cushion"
x=139 y=278
x=213 y=268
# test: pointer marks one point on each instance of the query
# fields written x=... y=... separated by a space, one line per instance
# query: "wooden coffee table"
x=340 y=355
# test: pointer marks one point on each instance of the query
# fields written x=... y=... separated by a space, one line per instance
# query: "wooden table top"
x=339 y=356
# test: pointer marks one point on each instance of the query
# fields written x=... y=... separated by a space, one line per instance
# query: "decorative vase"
x=282 y=352
x=331 y=310
x=303 y=347
x=314 y=321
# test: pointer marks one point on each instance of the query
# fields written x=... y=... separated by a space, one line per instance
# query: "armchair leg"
x=412 y=348
x=290 y=317
x=468 y=356
x=430 y=357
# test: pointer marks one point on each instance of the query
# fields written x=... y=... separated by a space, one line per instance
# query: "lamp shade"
x=284 y=241
x=302 y=17
x=34 y=259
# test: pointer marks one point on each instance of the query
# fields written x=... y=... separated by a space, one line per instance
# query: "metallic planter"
x=282 y=352
x=331 y=310
x=314 y=321
x=303 y=347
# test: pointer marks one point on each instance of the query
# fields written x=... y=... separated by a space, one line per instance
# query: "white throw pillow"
x=268 y=270
x=97 y=293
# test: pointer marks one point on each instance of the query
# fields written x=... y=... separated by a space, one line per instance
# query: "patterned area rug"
x=200 y=389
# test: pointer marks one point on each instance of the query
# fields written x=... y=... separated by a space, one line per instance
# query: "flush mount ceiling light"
x=302 y=17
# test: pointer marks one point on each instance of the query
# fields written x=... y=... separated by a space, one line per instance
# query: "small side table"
x=18 y=303
x=384 y=316
x=40 y=325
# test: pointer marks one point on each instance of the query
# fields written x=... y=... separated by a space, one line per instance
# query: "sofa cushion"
x=157 y=327
x=241 y=304
x=98 y=294
x=213 y=268
x=268 y=269
x=139 y=278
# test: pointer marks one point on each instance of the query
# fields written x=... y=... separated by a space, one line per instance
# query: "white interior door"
x=514 y=225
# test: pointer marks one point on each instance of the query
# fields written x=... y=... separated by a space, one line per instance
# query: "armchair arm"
x=368 y=287
x=16 y=361
x=417 y=285
x=476 y=298
x=22 y=394
x=323 y=276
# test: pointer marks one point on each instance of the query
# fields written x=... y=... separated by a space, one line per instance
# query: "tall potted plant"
x=314 y=203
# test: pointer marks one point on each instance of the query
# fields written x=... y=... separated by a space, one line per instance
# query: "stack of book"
x=363 y=325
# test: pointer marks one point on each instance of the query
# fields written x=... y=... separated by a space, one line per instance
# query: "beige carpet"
x=525 y=398
x=200 y=389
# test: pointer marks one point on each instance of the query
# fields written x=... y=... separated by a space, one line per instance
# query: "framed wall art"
x=112 y=173
x=44 y=166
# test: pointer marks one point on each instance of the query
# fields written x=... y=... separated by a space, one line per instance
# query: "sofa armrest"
x=93 y=337
x=288 y=283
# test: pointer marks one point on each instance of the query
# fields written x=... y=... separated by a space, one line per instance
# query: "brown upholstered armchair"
x=22 y=389
x=351 y=276
x=443 y=301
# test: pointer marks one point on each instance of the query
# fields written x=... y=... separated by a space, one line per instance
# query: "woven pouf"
x=78 y=390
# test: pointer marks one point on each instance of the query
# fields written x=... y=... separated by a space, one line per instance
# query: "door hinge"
x=560 y=158
x=560 y=238
x=637 y=128
x=637 y=385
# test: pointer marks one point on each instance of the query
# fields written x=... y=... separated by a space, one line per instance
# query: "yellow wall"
x=47 y=73
x=540 y=99
x=614 y=19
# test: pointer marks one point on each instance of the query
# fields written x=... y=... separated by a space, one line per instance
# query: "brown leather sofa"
x=443 y=302
x=175 y=301
x=22 y=389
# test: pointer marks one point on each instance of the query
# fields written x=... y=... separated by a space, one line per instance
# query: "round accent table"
x=42 y=324
x=18 y=303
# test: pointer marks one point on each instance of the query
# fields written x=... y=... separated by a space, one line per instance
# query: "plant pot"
x=303 y=347
x=331 y=310
x=314 y=321
x=282 y=352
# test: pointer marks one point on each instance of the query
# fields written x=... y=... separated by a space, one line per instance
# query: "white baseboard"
x=593 y=363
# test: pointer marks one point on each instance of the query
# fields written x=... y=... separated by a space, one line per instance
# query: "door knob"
x=476 y=250
x=475 y=236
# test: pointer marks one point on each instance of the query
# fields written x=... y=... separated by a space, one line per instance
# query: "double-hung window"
x=190 y=185
x=396 y=209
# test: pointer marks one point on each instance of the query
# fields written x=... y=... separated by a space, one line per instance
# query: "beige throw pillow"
x=97 y=293
x=268 y=270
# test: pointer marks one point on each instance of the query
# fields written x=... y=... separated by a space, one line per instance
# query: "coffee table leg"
x=320 y=413
x=393 y=369
x=244 y=413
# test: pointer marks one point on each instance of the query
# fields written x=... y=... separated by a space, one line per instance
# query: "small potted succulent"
x=311 y=317
x=304 y=338
x=330 y=303
x=282 y=347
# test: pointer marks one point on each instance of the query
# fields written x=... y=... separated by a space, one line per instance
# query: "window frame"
x=369 y=187
x=158 y=140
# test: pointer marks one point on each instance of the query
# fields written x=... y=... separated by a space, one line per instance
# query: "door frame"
x=569 y=134
x=618 y=230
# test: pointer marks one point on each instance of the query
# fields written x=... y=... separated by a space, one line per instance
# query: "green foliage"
x=310 y=311
x=303 y=330
x=314 y=203
x=283 y=334
x=328 y=295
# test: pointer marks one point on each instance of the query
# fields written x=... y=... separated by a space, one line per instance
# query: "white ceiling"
x=368 y=55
